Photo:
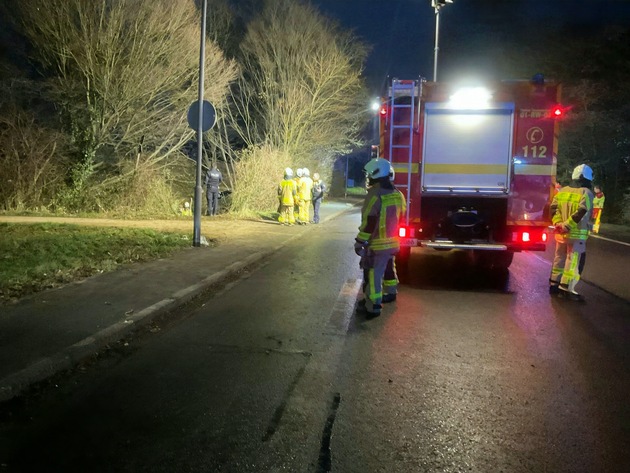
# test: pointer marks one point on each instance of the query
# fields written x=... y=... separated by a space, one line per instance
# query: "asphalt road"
x=467 y=371
x=607 y=264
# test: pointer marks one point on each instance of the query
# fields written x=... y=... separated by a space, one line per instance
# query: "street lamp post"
x=437 y=5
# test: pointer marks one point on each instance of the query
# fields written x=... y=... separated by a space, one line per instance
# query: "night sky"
x=401 y=32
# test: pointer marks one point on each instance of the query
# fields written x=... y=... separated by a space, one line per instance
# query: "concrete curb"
x=17 y=383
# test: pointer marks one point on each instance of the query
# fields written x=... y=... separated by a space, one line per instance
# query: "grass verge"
x=38 y=256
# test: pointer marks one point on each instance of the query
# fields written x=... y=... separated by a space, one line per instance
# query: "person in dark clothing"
x=213 y=180
x=319 y=188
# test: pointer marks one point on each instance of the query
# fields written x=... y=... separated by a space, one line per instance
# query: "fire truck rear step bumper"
x=463 y=246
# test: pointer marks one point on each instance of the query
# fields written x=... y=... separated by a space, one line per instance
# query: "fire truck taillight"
x=525 y=236
x=383 y=110
x=402 y=232
x=557 y=111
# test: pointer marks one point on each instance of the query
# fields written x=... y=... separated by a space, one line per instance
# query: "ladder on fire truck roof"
x=398 y=89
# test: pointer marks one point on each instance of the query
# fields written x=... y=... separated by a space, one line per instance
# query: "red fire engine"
x=476 y=165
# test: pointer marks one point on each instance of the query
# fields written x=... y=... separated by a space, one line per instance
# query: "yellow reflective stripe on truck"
x=402 y=168
x=465 y=169
x=535 y=169
x=522 y=169
x=527 y=223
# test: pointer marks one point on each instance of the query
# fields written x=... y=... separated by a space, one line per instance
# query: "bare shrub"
x=32 y=163
x=148 y=194
x=258 y=173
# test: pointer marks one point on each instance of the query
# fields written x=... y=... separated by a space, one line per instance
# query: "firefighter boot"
x=388 y=298
x=373 y=310
x=565 y=292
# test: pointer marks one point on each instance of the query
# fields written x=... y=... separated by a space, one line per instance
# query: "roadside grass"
x=38 y=256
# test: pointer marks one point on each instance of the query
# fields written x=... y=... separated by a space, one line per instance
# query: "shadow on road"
x=453 y=270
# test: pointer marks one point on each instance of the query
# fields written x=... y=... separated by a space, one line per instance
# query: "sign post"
x=201 y=116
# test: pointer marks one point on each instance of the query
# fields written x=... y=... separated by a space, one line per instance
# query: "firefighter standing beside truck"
x=598 y=207
x=377 y=241
x=570 y=214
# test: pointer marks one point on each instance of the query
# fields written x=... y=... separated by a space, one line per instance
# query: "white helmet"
x=288 y=173
x=378 y=167
x=300 y=172
x=584 y=171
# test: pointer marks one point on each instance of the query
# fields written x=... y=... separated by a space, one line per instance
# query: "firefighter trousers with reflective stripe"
x=565 y=268
x=379 y=274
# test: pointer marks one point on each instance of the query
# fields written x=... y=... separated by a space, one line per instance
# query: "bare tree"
x=123 y=73
x=302 y=89
x=301 y=98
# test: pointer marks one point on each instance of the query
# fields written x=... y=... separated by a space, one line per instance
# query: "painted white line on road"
x=343 y=308
x=609 y=239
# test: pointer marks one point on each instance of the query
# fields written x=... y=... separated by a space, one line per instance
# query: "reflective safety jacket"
x=287 y=191
x=598 y=200
x=305 y=187
x=380 y=216
x=572 y=206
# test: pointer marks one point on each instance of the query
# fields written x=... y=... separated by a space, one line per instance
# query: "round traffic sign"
x=209 y=117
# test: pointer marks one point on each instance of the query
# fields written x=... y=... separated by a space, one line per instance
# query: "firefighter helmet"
x=299 y=172
x=378 y=168
x=582 y=170
x=288 y=173
x=306 y=172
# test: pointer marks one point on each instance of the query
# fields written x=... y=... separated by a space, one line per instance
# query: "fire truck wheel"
x=402 y=263
x=499 y=260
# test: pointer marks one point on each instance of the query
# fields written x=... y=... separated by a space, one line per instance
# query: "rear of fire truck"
x=477 y=165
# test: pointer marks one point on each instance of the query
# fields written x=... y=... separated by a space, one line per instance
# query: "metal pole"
x=198 y=189
x=437 y=34
x=345 y=193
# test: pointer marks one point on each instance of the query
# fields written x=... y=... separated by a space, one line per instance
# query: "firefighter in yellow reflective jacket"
x=296 y=203
x=571 y=213
x=377 y=242
x=305 y=189
x=598 y=207
x=287 y=192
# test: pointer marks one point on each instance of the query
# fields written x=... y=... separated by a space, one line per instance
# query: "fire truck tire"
x=499 y=260
x=402 y=263
x=504 y=259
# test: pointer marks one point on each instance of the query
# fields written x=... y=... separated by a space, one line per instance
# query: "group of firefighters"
x=296 y=194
